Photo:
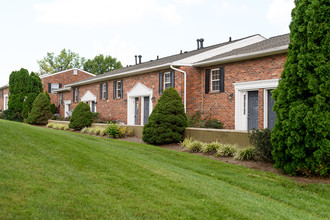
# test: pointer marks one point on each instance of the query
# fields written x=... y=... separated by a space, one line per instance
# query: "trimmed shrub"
x=300 y=136
x=197 y=121
x=112 y=130
x=226 y=150
x=11 y=115
x=211 y=148
x=85 y=130
x=248 y=153
x=124 y=131
x=81 y=117
x=167 y=121
x=40 y=112
x=195 y=146
x=261 y=139
x=50 y=125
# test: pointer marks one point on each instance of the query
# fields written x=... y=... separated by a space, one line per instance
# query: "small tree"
x=167 y=121
x=33 y=88
x=40 y=112
x=81 y=117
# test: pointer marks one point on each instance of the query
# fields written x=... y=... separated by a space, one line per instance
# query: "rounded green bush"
x=40 y=112
x=81 y=117
x=167 y=121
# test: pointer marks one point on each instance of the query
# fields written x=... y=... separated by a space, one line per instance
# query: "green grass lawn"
x=51 y=174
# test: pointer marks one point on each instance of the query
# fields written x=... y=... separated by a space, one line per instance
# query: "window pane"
x=54 y=86
x=215 y=85
x=215 y=75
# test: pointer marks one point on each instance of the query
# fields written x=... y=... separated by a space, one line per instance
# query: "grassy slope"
x=46 y=173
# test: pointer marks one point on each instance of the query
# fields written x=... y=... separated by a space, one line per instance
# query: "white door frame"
x=5 y=101
x=241 y=89
x=139 y=90
x=67 y=104
x=89 y=97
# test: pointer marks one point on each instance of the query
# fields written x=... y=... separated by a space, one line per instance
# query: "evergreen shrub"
x=81 y=117
x=40 y=112
x=167 y=121
x=261 y=139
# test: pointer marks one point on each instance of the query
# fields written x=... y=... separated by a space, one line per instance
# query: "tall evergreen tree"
x=33 y=88
x=301 y=134
x=17 y=90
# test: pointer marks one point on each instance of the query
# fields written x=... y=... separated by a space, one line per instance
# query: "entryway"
x=252 y=110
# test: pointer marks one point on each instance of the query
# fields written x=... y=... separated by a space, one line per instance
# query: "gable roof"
x=165 y=62
x=274 y=45
x=4 y=86
x=52 y=74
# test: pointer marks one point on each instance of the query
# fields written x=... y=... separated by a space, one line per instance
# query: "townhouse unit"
x=232 y=81
x=4 y=97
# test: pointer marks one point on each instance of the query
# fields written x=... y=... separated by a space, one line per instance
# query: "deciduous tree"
x=101 y=64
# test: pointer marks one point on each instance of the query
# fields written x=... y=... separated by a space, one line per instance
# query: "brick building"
x=4 y=97
x=231 y=81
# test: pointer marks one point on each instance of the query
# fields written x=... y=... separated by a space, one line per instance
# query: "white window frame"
x=52 y=88
x=216 y=80
x=76 y=95
x=169 y=82
x=118 y=89
x=104 y=90
x=5 y=102
x=61 y=98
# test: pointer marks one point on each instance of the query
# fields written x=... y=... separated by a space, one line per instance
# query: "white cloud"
x=279 y=12
x=188 y=1
x=103 y=12
x=224 y=7
x=118 y=48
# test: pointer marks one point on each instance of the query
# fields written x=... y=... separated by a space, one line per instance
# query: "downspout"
x=185 y=87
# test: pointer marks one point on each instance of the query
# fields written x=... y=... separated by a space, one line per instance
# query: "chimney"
x=180 y=51
x=157 y=57
x=135 y=59
x=140 y=56
x=201 y=40
x=197 y=44
x=229 y=39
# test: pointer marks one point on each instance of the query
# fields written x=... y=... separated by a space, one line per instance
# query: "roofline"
x=123 y=74
x=52 y=74
x=5 y=86
x=267 y=52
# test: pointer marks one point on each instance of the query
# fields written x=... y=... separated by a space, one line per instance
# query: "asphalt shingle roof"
x=273 y=42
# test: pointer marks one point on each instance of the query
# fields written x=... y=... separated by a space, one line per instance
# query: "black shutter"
x=78 y=94
x=222 y=79
x=173 y=78
x=60 y=85
x=100 y=91
x=114 y=89
x=49 y=87
x=106 y=90
x=122 y=89
x=73 y=95
x=207 y=81
x=160 y=83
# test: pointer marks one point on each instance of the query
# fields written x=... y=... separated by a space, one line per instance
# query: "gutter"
x=185 y=87
x=278 y=50
x=123 y=74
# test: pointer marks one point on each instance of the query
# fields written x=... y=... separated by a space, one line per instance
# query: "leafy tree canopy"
x=65 y=60
x=300 y=137
x=101 y=64
x=33 y=88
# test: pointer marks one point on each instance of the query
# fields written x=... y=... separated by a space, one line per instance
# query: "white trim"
x=5 y=86
x=215 y=80
x=53 y=74
x=5 y=102
x=67 y=104
x=261 y=53
x=167 y=73
x=104 y=90
x=139 y=90
x=88 y=96
x=117 y=93
x=242 y=89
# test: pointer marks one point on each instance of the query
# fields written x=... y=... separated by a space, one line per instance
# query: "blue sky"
x=124 y=28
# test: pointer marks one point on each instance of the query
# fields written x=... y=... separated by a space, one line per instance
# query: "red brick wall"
x=2 y=93
x=220 y=105
x=117 y=108
x=65 y=77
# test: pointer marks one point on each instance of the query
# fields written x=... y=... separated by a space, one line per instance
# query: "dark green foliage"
x=40 y=112
x=261 y=139
x=17 y=90
x=167 y=121
x=33 y=88
x=301 y=134
x=52 y=108
x=101 y=64
x=112 y=130
x=81 y=117
x=12 y=116
x=47 y=95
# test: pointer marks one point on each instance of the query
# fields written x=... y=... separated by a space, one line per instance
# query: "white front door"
x=67 y=112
